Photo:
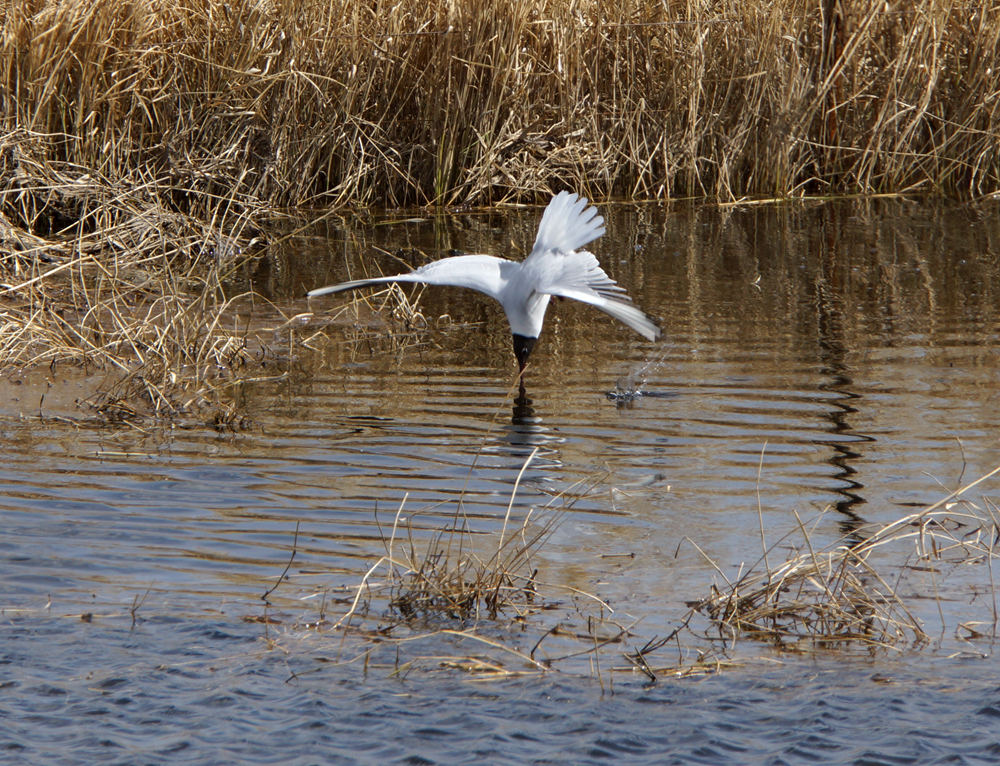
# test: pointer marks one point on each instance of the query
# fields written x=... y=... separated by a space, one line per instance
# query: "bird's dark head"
x=522 y=349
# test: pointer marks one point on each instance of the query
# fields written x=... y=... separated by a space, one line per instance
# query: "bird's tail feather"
x=568 y=224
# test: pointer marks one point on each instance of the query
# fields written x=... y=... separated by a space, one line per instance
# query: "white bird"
x=555 y=267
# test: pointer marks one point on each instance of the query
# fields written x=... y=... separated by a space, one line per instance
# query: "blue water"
x=141 y=615
x=206 y=691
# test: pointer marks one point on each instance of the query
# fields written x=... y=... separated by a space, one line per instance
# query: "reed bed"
x=319 y=103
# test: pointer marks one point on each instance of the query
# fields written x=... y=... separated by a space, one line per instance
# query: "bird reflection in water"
x=526 y=430
x=526 y=433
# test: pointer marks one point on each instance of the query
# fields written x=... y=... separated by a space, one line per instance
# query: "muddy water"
x=834 y=363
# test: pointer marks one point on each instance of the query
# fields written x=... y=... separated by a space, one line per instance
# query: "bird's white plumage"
x=567 y=224
x=554 y=267
x=477 y=272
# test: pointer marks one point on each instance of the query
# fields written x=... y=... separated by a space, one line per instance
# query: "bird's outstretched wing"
x=567 y=224
x=357 y=284
x=476 y=272
x=579 y=276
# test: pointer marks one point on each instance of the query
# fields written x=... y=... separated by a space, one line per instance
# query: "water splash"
x=631 y=386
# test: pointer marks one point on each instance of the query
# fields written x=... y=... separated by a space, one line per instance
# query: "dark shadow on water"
x=525 y=436
x=833 y=352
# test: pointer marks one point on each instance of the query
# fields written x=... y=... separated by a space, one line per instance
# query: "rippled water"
x=835 y=357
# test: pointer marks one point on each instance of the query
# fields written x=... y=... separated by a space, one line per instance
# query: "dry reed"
x=412 y=103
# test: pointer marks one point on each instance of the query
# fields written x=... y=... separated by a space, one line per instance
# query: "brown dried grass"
x=414 y=103
x=421 y=603
x=848 y=594
x=119 y=281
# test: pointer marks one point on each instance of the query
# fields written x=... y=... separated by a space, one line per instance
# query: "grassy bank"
x=144 y=145
x=313 y=103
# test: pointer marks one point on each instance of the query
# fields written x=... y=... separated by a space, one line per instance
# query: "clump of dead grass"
x=456 y=575
x=433 y=595
x=450 y=581
x=484 y=590
x=457 y=587
x=817 y=599
x=849 y=593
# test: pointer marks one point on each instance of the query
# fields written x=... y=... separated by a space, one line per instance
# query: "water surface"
x=835 y=361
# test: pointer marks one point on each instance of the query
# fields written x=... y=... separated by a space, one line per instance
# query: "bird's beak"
x=522 y=348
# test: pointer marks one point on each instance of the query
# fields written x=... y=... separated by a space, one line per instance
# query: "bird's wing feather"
x=477 y=272
x=621 y=309
x=579 y=276
x=567 y=224
x=357 y=284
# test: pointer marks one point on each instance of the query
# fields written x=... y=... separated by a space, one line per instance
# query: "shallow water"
x=833 y=361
